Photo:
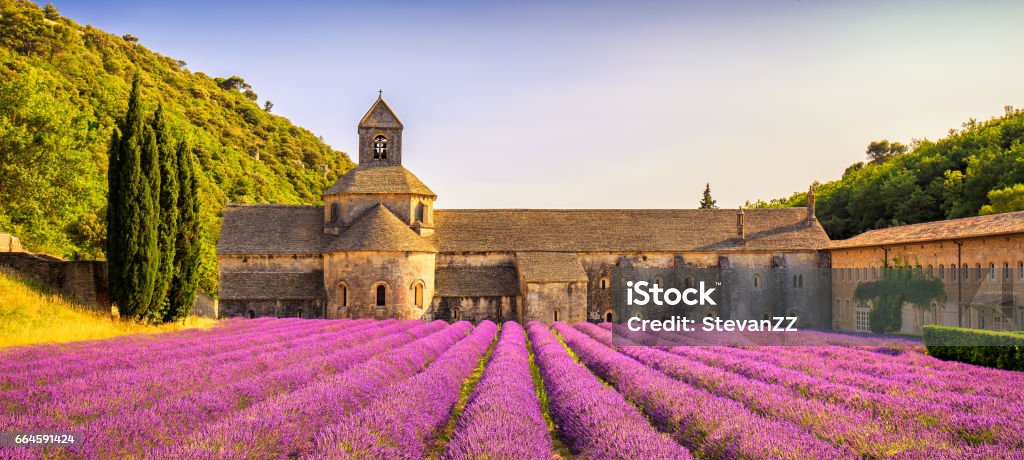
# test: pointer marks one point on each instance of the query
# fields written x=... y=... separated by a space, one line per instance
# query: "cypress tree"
x=189 y=239
x=149 y=226
x=168 y=214
x=706 y=202
x=131 y=237
x=115 y=247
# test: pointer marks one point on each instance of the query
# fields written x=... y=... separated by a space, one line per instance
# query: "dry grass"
x=28 y=314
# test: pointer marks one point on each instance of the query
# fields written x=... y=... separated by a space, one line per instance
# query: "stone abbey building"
x=378 y=248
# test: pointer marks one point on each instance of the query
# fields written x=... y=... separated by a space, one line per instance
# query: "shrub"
x=1002 y=350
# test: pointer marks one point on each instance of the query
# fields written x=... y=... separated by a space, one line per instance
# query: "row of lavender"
x=391 y=389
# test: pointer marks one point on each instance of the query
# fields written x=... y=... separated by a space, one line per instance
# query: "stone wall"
x=495 y=308
x=84 y=282
x=983 y=280
x=351 y=279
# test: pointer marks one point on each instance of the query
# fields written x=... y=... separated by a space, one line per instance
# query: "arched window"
x=767 y=315
x=801 y=279
x=382 y=295
x=609 y=316
x=335 y=212
x=554 y=315
x=380 y=147
x=604 y=283
x=931 y=271
x=417 y=291
x=1006 y=270
x=942 y=271
x=455 y=314
x=251 y=314
x=298 y=314
x=757 y=281
x=659 y=281
x=991 y=271
x=420 y=208
x=966 y=272
x=344 y=295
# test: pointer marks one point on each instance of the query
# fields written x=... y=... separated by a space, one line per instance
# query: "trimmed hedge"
x=1002 y=350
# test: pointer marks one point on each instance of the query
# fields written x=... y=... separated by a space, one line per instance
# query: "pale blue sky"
x=606 y=104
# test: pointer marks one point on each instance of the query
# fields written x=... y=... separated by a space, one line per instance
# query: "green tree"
x=132 y=232
x=706 y=202
x=883 y=150
x=168 y=212
x=188 y=247
x=898 y=286
x=1009 y=199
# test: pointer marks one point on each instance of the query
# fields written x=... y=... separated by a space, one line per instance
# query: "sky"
x=598 y=104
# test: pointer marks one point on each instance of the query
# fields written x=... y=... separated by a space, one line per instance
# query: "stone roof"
x=477 y=281
x=277 y=229
x=380 y=115
x=550 y=267
x=271 y=285
x=624 y=230
x=380 y=230
x=380 y=179
x=970 y=227
x=272 y=229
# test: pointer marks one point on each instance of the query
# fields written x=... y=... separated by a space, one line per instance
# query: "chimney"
x=811 y=218
x=739 y=225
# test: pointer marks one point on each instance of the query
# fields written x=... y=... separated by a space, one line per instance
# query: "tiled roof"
x=379 y=179
x=624 y=230
x=271 y=285
x=477 y=281
x=548 y=267
x=380 y=230
x=272 y=229
x=970 y=227
x=275 y=229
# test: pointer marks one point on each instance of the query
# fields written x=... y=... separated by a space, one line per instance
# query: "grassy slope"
x=63 y=85
x=30 y=315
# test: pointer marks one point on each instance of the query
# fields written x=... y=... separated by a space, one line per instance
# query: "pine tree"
x=132 y=233
x=706 y=202
x=168 y=214
x=189 y=237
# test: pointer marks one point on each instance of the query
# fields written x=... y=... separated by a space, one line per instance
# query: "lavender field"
x=293 y=388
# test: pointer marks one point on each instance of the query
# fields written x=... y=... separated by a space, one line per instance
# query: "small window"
x=942 y=271
x=767 y=315
x=382 y=295
x=420 y=211
x=977 y=271
x=380 y=148
x=609 y=317
x=1006 y=270
x=1020 y=270
x=251 y=314
x=757 y=281
x=604 y=283
x=966 y=272
x=335 y=212
x=659 y=281
x=801 y=279
x=418 y=294
x=298 y=314
x=344 y=295
x=931 y=271
x=555 y=315
x=455 y=314
x=992 y=271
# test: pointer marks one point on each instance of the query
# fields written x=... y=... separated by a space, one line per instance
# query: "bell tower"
x=380 y=136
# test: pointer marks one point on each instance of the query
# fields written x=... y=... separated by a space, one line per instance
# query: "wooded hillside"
x=62 y=85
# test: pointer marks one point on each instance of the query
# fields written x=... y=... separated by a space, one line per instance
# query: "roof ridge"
x=934 y=222
x=271 y=205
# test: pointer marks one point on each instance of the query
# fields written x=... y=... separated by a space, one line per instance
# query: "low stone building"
x=980 y=261
x=379 y=249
